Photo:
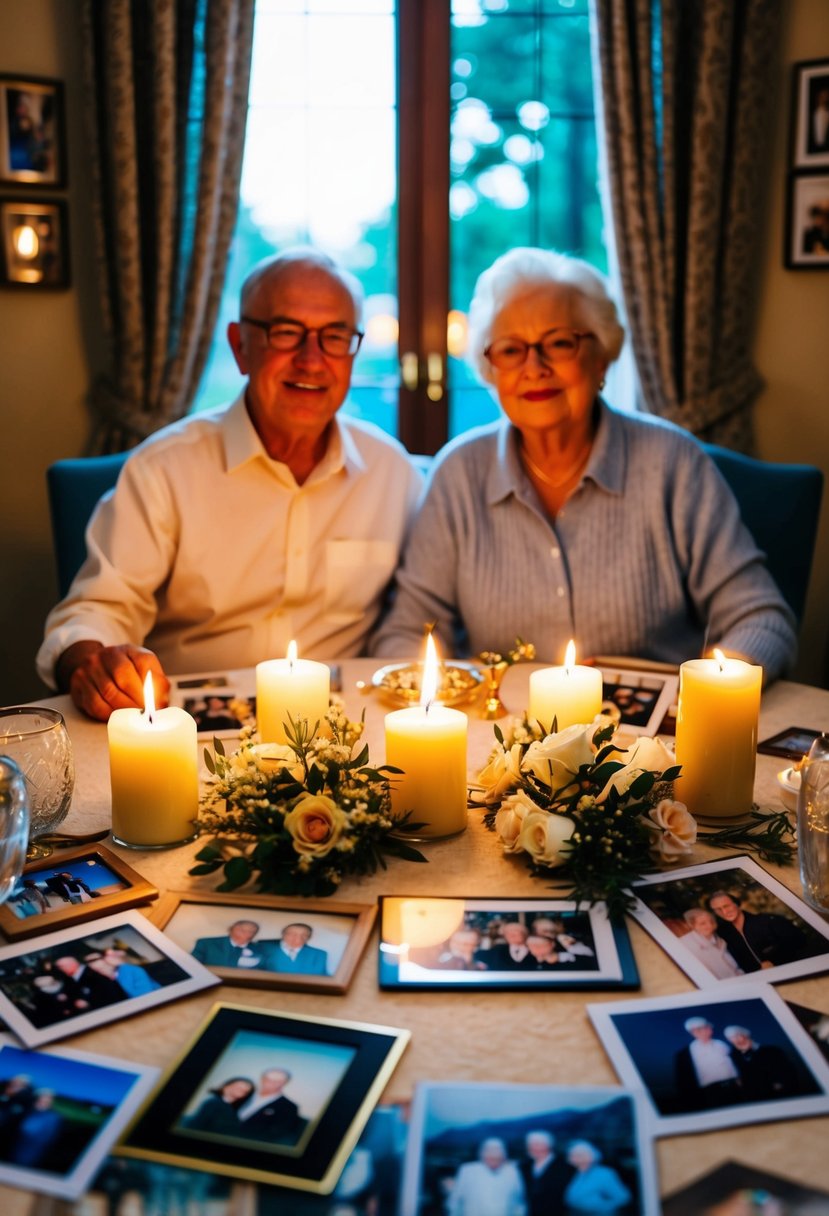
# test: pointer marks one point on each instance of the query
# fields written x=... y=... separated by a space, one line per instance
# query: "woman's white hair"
x=527 y=269
x=584 y=1146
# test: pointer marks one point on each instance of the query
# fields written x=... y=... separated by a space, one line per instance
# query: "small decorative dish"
x=789 y=781
x=399 y=683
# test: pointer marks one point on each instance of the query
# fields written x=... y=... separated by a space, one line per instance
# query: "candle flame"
x=429 y=684
x=291 y=653
x=720 y=657
x=149 y=697
x=570 y=656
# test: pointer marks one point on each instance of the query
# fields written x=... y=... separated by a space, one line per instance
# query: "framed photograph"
x=267 y=941
x=34 y=245
x=32 y=141
x=736 y=1189
x=76 y=979
x=501 y=943
x=792 y=743
x=810 y=114
x=61 y=1112
x=815 y=1024
x=715 y=1059
x=639 y=700
x=270 y=1097
x=730 y=920
x=537 y=1147
x=68 y=888
x=807 y=222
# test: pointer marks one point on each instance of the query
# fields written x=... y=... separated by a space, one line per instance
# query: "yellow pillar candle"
x=570 y=694
x=154 y=774
x=716 y=735
x=290 y=686
x=428 y=741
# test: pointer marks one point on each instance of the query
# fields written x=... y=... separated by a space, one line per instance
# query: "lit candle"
x=290 y=686
x=716 y=735
x=154 y=773
x=428 y=741
x=569 y=694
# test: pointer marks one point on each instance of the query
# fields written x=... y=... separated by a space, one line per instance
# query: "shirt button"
x=555 y=552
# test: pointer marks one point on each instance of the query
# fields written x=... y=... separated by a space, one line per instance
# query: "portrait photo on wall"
x=269 y=1097
x=32 y=145
x=533 y=1148
x=715 y=1059
x=81 y=884
x=807 y=227
x=267 y=941
x=60 y=1114
x=810 y=114
x=638 y=700
x=737 y=1189
x=730 y=920
x=75 y=979
x=501 y=943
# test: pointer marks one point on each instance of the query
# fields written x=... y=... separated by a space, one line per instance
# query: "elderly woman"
x=568 y=519
x=594 y=1189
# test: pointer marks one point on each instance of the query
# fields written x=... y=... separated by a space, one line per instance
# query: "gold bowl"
x=399 y=683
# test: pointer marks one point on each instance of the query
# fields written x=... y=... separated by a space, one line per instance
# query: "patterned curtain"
x=166 y=93
x=685 y=90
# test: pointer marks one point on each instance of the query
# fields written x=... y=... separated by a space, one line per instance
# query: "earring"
x=602 y=382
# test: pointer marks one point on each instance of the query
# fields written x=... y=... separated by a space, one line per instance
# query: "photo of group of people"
x=637 y=700
x=75 y=883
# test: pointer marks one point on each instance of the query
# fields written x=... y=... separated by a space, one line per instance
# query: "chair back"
x=780 y=505
x=75 y=486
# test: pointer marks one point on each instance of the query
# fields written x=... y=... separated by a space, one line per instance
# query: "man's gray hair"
x=527 y=269
x=696 y=1023
x=313 y=258
x=736 y=1032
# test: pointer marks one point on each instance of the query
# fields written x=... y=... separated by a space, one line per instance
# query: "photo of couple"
x=241 y=946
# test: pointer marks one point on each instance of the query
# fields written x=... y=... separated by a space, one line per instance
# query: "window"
x=414 y=141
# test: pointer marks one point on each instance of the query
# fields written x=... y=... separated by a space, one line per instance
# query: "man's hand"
x=102 y=678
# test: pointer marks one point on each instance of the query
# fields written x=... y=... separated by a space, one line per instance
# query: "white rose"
x=544 y=835
x=644 y=755
x=502 y=773
x=675 y=829
x=556 y=759
x=510 y=817
x=273 y=757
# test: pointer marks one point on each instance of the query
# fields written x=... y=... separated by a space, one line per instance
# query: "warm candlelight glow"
x=149 y=697
x=431 y=668
x=25 y=241
x=565 y=695
x=290 y=688
x=720 y=657
x=570 y=656
x=291 y=652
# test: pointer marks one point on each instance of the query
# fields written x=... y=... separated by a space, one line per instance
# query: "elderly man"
x=704 y=1071
x=232 y=532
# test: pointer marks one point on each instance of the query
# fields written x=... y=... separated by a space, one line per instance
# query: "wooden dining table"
x=504 y=1036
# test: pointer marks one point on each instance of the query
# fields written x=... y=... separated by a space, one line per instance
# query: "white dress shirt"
x=210 y=552
x=712 y=1062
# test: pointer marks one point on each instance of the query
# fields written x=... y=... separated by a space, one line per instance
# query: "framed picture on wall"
x=32 y=143
x=810 y=110
x=807 y=223
x=34 y=244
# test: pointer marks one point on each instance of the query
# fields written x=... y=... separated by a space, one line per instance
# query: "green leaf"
x=207 y=868
x=237 y=872
x=399 y=848
x=208 y=762
x=499 y=735
x=218 y=746
x=208 y=853
x=642 y=785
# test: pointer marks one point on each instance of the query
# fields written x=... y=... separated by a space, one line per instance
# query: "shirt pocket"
x=356 y=573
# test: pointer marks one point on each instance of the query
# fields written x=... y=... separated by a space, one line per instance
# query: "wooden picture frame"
x=332 y=1073
x=89 y=865
x=34 y=244
x=32 y=131
x=339 y=930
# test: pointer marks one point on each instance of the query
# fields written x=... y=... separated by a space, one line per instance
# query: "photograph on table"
x=32 y=143
x=269 y=941
x=534 y=1149
x=501 y=943
x=70 y=887
x=737 y=1189
x=76 y=979
x=815 y=1023
x=715 y=1059
x=269 y=1097
x=792 y=743
x=637 y=700
x=60 y=1114
x=730 y=920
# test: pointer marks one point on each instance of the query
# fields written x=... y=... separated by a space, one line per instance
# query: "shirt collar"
x=242 y=444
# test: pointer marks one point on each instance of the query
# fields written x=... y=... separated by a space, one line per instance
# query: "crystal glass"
x=14 y=825
x=37 y=741
x=813 y=825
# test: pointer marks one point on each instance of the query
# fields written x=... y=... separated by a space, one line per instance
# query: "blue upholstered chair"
x=780 y=504
x=74 y=488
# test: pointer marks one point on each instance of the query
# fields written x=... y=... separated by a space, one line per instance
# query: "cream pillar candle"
x=569 y=694
x=290 y=686
x=716 y=735
x=154 y=774
x=428 y=741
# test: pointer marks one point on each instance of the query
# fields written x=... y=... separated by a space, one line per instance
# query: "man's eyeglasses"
x=338 y=341
x=556 y=346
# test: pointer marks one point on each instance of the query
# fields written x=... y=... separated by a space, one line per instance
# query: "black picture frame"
x=32 y=131
x=792 y=743
x=360 y=1059
x=34 y=244
x=807 y=221
x=810 y=114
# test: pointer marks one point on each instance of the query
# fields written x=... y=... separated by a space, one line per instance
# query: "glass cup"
x=37 y=741
x=14 y=825
x=813 y=825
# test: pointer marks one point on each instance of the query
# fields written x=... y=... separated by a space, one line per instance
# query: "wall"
x=51 y=347
x=792 y=351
